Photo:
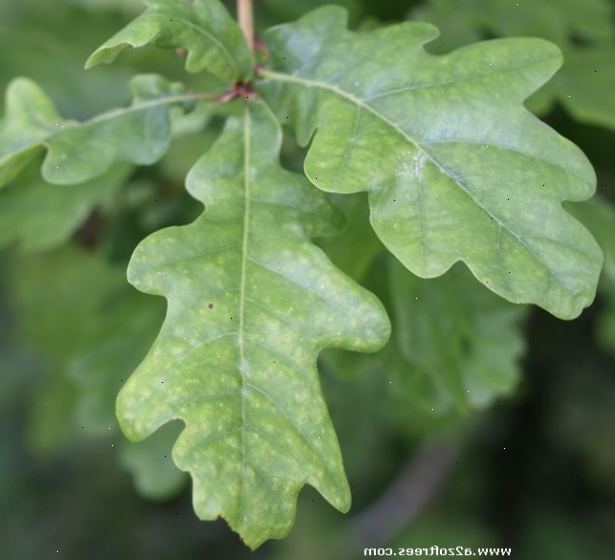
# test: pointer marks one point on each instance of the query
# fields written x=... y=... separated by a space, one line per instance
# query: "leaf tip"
x=104 y=55
x=91 y=62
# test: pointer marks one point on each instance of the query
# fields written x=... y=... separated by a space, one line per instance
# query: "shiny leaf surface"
x=251 y=302
x=455 y=167
x=204 y=28
x=80 y=152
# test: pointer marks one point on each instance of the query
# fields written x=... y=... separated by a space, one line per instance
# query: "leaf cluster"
x=461 y=220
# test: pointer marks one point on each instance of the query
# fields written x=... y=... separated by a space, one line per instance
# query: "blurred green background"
x=528 y=462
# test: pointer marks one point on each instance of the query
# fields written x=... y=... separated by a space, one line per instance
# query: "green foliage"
x=29 y=118
x=247 y=343
x=288 y=11
x=155 y=474
x=66 y=208
x=48 y=43
x=79 y=152
x=102 y=341
x=456 y=348
x=599 y=215
x=458 y=180
x=393 y=120
x=204 y=28
x=462 y=343
x=583 y=30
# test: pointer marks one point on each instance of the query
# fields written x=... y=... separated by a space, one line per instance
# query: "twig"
x=411 y=492
x=245 y=15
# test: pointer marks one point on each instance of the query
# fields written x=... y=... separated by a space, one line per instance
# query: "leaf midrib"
x=247 y=186
x=105 y=117
x=135 y=108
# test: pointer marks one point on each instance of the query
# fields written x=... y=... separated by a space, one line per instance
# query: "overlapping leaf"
x=29 y=118
x=583 y=86
x=455 y=167
x=277 y=11
x=599 y=216
x=64 y=298
x=38 y=216
x=455 y=349
x=356 y=248
x=155 y=475
x=80 y=152
x=456 y=170
x=204 y=28
x=556 y=20
x=456 y=338
x=250 y=303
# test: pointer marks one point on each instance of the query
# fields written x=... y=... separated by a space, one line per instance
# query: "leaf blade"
x=259 y=429
x=29 y=118
x=79 y=152
x=395 y=121
x=204 y=28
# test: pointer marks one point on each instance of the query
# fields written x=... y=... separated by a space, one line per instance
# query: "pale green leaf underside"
x=251 y=302
x=204 y=28
x=455 y=167
x=80 y=152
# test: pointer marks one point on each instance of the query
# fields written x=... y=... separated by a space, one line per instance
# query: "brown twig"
x=411 y=492
x=245 y=15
